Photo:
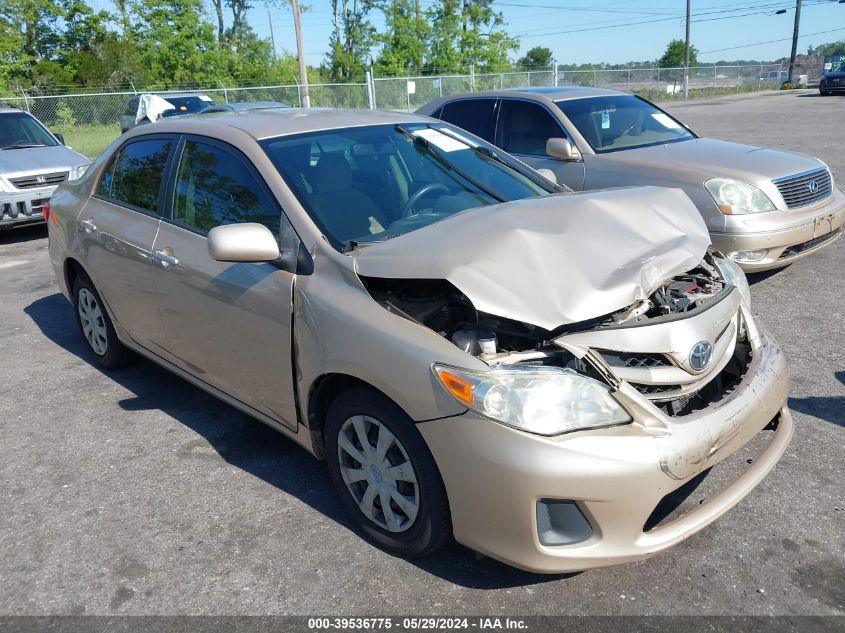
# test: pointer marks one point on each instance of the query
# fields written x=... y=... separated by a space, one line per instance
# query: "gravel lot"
x=133 y=492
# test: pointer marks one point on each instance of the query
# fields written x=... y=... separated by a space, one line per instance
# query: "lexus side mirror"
x=61 y=137
x=247 y=242
x=562 y=149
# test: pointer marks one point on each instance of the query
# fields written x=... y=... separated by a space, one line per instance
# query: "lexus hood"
x=709 y=157
x=554 y=260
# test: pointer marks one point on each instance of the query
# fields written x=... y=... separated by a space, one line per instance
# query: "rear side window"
x=473 y=115
x=214 y=187
x=135 y=174
x=526 y=127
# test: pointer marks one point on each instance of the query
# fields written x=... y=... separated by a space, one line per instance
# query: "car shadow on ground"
x=828 y=408
x=23 y=234
x=257 y=449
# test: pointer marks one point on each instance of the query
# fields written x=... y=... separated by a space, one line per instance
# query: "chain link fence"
x=91 y=121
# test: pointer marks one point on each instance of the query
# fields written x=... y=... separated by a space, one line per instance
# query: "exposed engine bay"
x=440 y=306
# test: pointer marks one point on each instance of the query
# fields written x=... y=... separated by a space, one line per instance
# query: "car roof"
x=272 y=122
x=560 y=93
x=12 y=111
x=165 y=95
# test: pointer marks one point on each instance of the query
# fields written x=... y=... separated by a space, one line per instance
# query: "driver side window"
x=214 y=187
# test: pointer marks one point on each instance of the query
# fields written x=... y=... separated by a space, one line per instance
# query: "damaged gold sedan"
x=475 y=351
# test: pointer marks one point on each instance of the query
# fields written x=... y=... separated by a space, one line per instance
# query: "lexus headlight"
x=542 y=400
x=735 y=276
x=735 y=197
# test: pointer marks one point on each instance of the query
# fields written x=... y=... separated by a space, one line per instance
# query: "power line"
x=783 y=39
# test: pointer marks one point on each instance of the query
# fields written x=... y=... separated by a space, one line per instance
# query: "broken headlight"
x=735 y=197
x=541 y=400
x=735 y=276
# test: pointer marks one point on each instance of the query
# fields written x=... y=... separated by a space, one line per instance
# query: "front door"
x=524 y=127
x=118 y=227
x=228 y=324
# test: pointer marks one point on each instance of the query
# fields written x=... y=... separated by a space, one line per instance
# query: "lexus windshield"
x=618 y=122
x=371 y=183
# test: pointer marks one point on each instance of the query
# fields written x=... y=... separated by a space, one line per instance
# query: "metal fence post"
x=441 y=85
x=760 y=77
x=25 y=99
x=554 y=72
x=628 y=81
x=472 y=77
x=658 y=79
x=738 y=70
x=528 y=75
x=594 y=78
x=369 y=80
x=714 y=79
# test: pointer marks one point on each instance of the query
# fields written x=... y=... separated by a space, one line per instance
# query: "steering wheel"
x=627 y=131
x=434 y=186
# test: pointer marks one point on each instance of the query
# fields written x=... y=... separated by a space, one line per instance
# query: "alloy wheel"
x=378 y=473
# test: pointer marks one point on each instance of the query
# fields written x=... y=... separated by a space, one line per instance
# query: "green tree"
x=538 y=57
x=468 y=32
x=351 y=40
x=404 y=42
x=673 y=56
x=178 y=46
x=828 y=50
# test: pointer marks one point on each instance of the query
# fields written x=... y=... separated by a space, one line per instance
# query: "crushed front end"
x=698 y=378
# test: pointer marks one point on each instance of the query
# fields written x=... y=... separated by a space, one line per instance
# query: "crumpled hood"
x=553 y=260
x=39 y=160
x=711 y=157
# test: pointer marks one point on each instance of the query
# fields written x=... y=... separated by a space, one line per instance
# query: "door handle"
x=88 y=226
x=165 y=257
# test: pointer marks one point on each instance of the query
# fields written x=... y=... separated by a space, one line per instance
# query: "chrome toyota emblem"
x=40 y=180
x=813 y=186
x=699 y=356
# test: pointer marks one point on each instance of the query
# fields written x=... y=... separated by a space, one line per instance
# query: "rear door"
x=118 y=227
x=228 y=324
x=523 y=129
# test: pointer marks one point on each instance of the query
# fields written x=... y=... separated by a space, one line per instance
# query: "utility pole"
x=794 y=39
x=272 y=36
x=300 y=50
x=686 y=53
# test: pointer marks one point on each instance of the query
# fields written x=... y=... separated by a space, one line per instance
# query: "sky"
x=612 y=31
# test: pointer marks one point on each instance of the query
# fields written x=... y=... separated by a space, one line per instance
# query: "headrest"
x=331 y=173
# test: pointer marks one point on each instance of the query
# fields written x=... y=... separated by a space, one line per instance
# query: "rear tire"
x=96 y=326
x=392 y=490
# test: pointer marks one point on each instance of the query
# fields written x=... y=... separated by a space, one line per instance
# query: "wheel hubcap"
x=93 y=323
x=378 y=473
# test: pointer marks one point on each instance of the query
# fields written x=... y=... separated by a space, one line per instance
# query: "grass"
x=89 y=140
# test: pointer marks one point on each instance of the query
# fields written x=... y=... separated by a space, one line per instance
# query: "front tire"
x=385 y=474
x=96 y=326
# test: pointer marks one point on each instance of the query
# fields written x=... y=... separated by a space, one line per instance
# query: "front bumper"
x=23 y=207
x=802 y=234
x=495 y=475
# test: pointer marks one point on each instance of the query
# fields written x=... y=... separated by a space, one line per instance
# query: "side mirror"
x=61 y=137
x=247 y=242
x=562 y=149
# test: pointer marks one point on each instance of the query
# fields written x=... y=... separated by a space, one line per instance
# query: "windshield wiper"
x=440 y=156
x=24 y=145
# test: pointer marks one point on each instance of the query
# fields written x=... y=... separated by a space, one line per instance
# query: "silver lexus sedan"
x=765 y=208
x=475 y=352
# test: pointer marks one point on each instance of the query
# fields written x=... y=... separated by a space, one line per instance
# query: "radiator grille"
x=39 y=180
x=804 y=189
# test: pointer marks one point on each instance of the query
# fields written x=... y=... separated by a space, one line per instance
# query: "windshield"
x=371 y=183
x=618 y=122
x=19 y=130
x=187 y=105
